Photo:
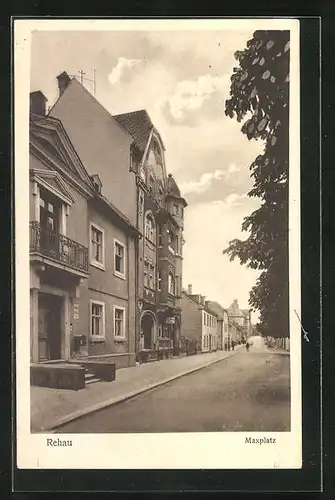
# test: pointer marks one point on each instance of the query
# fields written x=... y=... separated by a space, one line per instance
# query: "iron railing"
x=58 y=247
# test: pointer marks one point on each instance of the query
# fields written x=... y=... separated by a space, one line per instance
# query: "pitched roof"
x=216 y=307
x=172 y=187
x=138 y=124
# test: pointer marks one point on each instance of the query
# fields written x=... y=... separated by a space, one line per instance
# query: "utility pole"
x=94 y=83
x=82 y=73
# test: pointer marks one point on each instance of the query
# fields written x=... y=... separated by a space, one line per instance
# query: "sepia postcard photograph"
x=157 y=223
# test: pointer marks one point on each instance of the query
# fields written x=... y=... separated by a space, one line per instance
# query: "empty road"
x=246 y=392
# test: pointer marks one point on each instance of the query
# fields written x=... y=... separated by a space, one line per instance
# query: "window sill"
x=97 y=339
x=98 y=265
x=120 y=339
x=119 y=275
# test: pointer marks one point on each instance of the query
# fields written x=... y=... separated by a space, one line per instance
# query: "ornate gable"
x=53 y=182
x=154 y=160
x=51 y=135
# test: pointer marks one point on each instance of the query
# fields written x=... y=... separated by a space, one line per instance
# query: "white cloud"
x=233 y=200
x=122 y=65
x=189 y=95
x=206 y=180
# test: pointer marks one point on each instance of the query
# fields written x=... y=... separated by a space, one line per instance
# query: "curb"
x=100 y=406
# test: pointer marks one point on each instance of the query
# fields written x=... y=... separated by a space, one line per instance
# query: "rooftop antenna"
x=82 y=78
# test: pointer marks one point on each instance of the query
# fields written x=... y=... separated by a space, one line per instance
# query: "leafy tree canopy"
x=259 y=98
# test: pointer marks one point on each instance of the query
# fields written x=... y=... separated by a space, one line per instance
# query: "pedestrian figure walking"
x=247 y=346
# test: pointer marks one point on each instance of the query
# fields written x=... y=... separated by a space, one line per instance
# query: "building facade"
x=242 y=319
x=199 y=322
x=160 y=217
x=223 y=338
x=82 y=255
x=125 y=161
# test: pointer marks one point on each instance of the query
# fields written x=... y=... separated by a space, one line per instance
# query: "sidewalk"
x=51 y=408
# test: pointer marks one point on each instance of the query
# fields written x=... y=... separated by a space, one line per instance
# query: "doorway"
x=147 y=327
x=49 y=327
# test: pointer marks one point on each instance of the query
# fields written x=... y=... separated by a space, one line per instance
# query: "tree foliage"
x=259 y=98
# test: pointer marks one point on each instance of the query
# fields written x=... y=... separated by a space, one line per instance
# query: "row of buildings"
x=106 y=233
x=211 y=326
x=106 y=239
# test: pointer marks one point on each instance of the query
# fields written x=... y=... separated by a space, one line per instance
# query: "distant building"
x=241 y=318
x=199 y=322
x=222 y=324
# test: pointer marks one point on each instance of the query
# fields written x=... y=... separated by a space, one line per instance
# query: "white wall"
x=209 y=328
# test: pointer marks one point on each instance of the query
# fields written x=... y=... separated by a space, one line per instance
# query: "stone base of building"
x=147 y=355
x=121 y=360
x=58 y=376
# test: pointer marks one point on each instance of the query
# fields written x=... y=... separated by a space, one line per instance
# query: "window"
x=119 y=322
x=49 y=212
x=175 y=209
x=152 y=277
x=176 y=282
x=119 y=259
x=177 y=245
x=159 y=279
x=97 y=313
x=149 y=228
x=146 y=274
x=171 y=284
x=160 y=237
x=140 y=204
x=160 y=331
x=171 y=239
x=97 y=246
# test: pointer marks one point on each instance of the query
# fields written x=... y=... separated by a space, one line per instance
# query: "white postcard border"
x=149 y=451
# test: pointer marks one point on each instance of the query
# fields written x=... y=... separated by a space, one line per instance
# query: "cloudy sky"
x=182 y=79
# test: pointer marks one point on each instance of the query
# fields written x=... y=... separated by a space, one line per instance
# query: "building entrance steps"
x=51 y=408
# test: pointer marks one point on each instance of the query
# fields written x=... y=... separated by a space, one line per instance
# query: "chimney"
x=38 y=103
x=63 y=82
x=189 y=289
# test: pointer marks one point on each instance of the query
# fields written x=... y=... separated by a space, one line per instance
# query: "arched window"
x=171 y=284
x=150 y=228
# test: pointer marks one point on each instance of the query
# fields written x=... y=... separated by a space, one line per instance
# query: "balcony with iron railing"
x=58 y=248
